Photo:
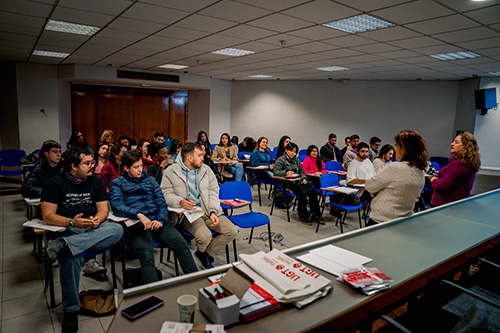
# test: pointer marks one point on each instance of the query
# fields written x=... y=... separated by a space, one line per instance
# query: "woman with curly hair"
x=455 y=180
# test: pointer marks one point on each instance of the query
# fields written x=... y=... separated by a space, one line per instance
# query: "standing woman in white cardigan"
x=397 y=187
x=225 y=152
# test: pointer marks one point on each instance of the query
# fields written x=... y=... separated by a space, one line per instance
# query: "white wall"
x=308 y=111
x=486 y=131
x=39 y=88
x=220 y=109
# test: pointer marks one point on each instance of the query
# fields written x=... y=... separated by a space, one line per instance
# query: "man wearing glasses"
x=78 y=200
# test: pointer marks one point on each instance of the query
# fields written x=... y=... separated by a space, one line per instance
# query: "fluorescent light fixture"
x=495 y=73
x=456 y=55
x=359 y=23
x=172 y=66
x=332 y=68
x=50 y=54
x=233 y=52
x=71 y=28
x=260 y=76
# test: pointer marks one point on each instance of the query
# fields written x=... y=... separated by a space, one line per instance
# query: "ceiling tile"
x=388 y=34
x=480 y=44
x=415 y=42
x=341 y=53
x=247 y=32
x=437 y=49
x=287 y=52
x=288 y=40
x=279 y=22
x=257 y=46
x=26 y=8
x=375 y=48
x=111 y=7
x=275 y=5
x=398 y=54
x=490 y=15
x=444 y=24
x=349 y=41
x=468 y=5
x=151 y=13
x=315 y=47
x=205 y=23
x=494 y=51
x=321 y=11
x=235 y=11
x=187 y=5
x=222 y=41
x=466 y=35
x=131 y=36
x=372 y=4
x=6 y=36
x=127 y=24
x=19 y=29
x=80 y=16
x=182 y=33
x=15 y=19
x=317 y=32
x=413 y=12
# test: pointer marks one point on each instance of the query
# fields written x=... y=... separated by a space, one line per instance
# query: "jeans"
x=236 y=170
x=142 y=242
x=80 y=240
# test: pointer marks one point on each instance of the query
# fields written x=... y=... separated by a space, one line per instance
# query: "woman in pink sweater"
x=312 y=163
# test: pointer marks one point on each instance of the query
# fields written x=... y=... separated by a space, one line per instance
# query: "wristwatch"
x=70 y=223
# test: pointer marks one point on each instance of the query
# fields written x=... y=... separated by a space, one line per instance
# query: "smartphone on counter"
x=141 y=308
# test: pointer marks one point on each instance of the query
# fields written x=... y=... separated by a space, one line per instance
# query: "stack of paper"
x=39 y=224
x=257 y=303
x=191 y=215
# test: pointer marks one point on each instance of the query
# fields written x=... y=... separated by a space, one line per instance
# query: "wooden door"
x=150 y=116
x=115 y=112
x=178 y=118
x=83 y=116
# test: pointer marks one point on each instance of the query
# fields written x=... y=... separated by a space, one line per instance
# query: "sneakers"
x=54 y=247
x=205 y=259
x=93 y=267
x=70 y=322
x=305 y=221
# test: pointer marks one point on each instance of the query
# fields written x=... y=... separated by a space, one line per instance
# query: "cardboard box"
x=225 y=310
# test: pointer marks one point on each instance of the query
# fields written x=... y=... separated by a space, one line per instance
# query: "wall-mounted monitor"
x=486 y=99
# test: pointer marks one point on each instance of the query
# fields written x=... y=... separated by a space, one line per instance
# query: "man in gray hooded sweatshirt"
x=188 y=184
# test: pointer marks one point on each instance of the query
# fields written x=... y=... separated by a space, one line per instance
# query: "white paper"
x=176 y=327
x=191 y=215
x=323 y=264
x=261 y=167
x=345 y=190
x=114 y=218
x=33 y=201
x=39 y=224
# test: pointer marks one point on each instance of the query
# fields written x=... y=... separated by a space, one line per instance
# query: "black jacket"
x=36 y=180
x=326 y=153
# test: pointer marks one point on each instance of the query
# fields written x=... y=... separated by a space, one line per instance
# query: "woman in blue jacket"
x=138 y=196
x=261 y=157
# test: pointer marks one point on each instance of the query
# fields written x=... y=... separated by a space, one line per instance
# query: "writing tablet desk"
x=413 y=251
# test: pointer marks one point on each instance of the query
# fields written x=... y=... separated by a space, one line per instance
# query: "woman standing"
x=288 y=165
x=397 y=187
x=225 y=152
x=383 y=158
x=455 y=180
x=102 y=152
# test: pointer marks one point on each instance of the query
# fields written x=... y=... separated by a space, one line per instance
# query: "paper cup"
x=187 y=306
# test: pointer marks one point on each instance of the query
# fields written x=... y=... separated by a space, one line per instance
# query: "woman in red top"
x=113 y=168
x=455 y=180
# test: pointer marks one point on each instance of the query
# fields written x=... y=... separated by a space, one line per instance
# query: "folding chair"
x=277 y=188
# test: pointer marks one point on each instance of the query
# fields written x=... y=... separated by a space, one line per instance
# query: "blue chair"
x=301 y=158
x=303 y=152
x=213 y=145
x=242 y=191
x=260 y=181
x=11 y=158
x=333 y=166
x=442 y=161
x=274 y=153
x=168 y=142
x=241 y=155
x=275 y=148
x=329 y=180
x=277 y=188
x=436 y=166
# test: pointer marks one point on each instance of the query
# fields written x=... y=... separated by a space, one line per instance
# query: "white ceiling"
x=147 y=33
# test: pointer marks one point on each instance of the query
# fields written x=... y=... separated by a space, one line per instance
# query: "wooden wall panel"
x=178 y=118
x=83 y=116
x=115 y=112
x=151 y=115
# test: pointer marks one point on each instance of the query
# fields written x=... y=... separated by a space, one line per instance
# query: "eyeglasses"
x=88 y=164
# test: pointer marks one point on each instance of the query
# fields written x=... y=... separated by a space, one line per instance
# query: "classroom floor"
x=24 y=305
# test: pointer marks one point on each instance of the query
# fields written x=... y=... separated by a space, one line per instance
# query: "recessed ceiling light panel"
x=332 y=68
x=71 y=28
x=260 y=76
x=172 y=66
x=456 y=55
x=50 y=54
x=233 y=52
x=495 y=73
x=359 y=23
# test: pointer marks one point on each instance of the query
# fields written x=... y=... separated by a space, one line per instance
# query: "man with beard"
x=361 y=168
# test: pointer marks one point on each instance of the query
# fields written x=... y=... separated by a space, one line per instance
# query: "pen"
x=210 y=295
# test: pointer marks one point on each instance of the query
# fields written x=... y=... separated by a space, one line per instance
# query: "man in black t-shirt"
x=79 y=201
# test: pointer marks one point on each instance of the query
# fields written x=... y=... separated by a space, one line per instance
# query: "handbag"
x=97 y=302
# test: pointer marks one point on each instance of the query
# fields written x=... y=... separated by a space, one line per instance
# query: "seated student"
x=384 y=157
x=209 y=163
x=330 y=152
x=203 y=140
x=101 y=157
x=124 y=140
x=78 y=139
x=374 y=146
x=224 y=152
x=314 y=165
x=262 y=157
x=173 y=152
x=158 y=137
x=397 y=187
x=284 y=141
x=107 y=137
x=347 y=142
x=138 y=196
x=289 y=164
x=160 y=152
x=113 y=169
x=188 y=184
x=50 y=165
x=142 y=148
x=248 y=144
x=234 y=143
x=360 y=168
x=351 y=151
